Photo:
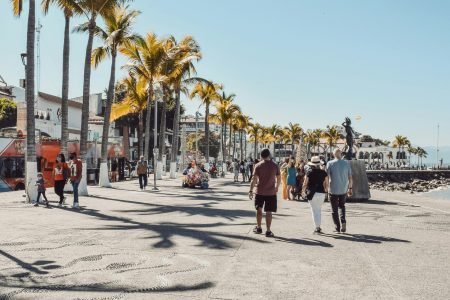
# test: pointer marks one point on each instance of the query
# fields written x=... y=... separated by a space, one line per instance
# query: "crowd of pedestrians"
x=317 y=179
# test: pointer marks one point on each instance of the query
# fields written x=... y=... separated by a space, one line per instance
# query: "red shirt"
x=266 y=171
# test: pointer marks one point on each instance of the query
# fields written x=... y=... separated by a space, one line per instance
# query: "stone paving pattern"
x=195 y=244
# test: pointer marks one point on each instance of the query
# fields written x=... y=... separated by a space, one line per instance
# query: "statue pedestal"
x=361 y=190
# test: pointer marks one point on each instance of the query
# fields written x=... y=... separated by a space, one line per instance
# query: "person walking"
x=76 y=172
x=114 y=167
x=266 y=182
x=250 y=169
x=236 y=170
x=60 y=176
x=315 y=185
x=40 y=183
x=283 y=168
x=291 y=179
x=340 y=186
x=247 y=170
x=141 y=170
x=242 y=170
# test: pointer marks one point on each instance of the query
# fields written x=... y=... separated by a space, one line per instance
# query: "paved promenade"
x=193 y=244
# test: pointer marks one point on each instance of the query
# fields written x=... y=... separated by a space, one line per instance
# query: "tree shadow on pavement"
x=306 y=242
x=166 y=231
x=377 y=202
x=365 y=238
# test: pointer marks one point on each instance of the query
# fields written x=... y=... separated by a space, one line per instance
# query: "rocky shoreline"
x=412 y=183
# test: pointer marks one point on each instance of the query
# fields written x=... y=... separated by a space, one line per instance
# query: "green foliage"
x=8 y=113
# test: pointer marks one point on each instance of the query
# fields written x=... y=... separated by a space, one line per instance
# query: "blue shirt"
x=338 y=171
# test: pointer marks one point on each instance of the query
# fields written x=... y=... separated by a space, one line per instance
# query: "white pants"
x=316 y=207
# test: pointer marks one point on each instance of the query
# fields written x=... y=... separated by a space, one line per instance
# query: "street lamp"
x=155 y=145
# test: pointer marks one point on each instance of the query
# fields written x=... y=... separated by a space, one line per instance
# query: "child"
x=41 y=189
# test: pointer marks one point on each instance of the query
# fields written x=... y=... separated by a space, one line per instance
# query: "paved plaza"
x=195 y=244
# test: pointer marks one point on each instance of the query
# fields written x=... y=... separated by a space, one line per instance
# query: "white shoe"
x=76 y=205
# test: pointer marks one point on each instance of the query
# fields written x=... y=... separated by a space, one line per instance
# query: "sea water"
x=439 y=194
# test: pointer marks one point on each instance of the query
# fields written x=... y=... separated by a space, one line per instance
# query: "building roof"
x=58 y=100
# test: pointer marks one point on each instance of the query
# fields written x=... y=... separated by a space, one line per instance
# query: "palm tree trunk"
x=224 y=130
x=245 y=143
x=147 y=121
x=207 y=131
x=256 y=147
x=175 y=138
x=140 y=134
x=126 y=140
x=234 y=144
x=82 y=190
x=162 y=125
x=104 y=178
x=241 y=138
x=31 y=167
x=176 y=127
x=65 y=88
x=229 y=144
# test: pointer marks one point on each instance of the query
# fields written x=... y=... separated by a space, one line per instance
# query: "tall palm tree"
x=233 y=112
x=254 y=132
x=295 y=132
x=31 y=167
x=400 y=142
x=207 y=93
x=224 y=107
x=91 y=9
x=116 y=33
x=332 y=136
x=312 y=140
x=421 y=153
x=411 y=151
x=242 y=122
x=69 y=7
x=135 y=102
x=183 y=54
x=274 y=131
x=145 y=59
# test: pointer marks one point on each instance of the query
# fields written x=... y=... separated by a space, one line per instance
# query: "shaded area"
x=366 y=238
x=305 y=242
x=33 y=268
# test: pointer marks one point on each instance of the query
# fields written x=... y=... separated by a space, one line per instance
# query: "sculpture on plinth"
x=348 y=138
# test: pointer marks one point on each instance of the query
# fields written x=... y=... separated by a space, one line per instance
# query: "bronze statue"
x=349 y=138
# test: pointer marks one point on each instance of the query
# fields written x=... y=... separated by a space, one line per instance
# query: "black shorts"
x=268 y=202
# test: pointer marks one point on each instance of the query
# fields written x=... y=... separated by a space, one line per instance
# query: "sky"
x=310 y=62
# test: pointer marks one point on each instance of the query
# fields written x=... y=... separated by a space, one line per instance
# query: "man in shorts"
x=266 y=179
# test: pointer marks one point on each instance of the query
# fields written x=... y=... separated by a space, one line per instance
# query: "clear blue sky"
x=312 y=62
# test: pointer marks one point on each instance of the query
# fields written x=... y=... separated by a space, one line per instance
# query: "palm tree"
x=411 y=150
x=145 y=59
x=117 y=32
x=312 y=139
x=254 y=132
x=91 y=9
x=207 y=94
x=421 y=153
x=400 y=142
x=242 y=122
x=224 y=107
x=274 y=131
x=135 y=102
x=332 y=136
x=31 y=167
x=69 y=7
x=295 y=132
x=182 y=55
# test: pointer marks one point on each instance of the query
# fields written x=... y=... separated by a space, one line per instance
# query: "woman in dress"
x=291 y=179
x=283 y=171
x=315 y=186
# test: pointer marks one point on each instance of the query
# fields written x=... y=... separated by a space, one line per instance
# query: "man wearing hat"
x=266 y=180
x=340 y=185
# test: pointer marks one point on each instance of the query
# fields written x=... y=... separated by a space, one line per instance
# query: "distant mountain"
x=444 y=153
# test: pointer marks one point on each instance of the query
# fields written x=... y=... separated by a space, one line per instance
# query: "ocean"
x=439 y=194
